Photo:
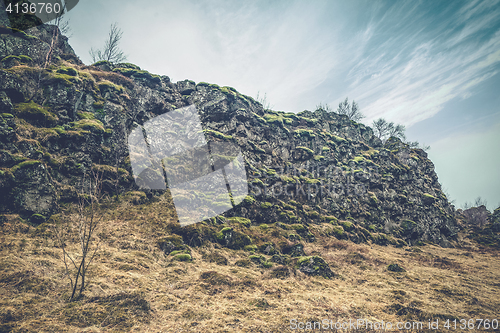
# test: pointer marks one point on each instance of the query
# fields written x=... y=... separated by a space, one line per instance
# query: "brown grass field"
x=135 y=287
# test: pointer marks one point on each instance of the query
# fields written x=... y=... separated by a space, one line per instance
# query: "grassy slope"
x=135 y=287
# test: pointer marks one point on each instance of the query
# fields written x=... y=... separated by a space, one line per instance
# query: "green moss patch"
x=383 y=239
x=172 y=243
x=36 y=113
x=37 y=219
x=330 y=219
x=241 y=220
x=347 y=225
x=85 y=115
x=273 y=119
x=256 y=148
x=359 y=159
x=338 y=139
x=135 y=73
x=67 y=80
x=12 y=59
x=308 y=121
x=249 y=200
x=106 y=85
x=304 y=133
x=68 y=71
x=315 y=265
x=25 y=164
x=428 y=199
x=260 y=260
x=93 y=125
x=408 y=225
x=129 y=65
x=338 y=232
x=217 y=134
x=305 y=149
x=251 y=248
x=266 y=205
x=183 y=257
x=228 y=90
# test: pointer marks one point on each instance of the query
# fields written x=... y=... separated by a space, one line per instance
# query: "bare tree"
x=384 y=130
x=417 y=145
x=111 y=51
x=351 y=111
x=61 y=25
x=480 y=202
x=398 y=131
x=448 y=196
x=82 y=230
x=380 y=128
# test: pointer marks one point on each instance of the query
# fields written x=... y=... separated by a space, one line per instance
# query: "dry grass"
x=136 y=287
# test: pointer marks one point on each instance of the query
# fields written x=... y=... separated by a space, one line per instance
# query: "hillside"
x=335 y=225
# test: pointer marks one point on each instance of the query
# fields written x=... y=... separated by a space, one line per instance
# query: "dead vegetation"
x=134 y=285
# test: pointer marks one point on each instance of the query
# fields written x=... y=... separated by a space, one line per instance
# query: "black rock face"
x=66 y=118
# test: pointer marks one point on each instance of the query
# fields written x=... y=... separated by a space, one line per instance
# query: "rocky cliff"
x=61 y=119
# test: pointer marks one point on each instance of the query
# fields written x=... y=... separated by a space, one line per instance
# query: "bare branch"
x=384 y=130
x=84 y=228
x=262 y=99
x=351 y=111
x=111 y=51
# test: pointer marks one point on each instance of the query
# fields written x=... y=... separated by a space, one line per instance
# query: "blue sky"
x=433 y=66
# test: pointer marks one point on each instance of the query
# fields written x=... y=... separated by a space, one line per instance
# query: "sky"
x=433 y=66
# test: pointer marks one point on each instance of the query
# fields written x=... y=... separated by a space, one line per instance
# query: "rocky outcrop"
x=315 y=266
x=304 y=169
x=481 y=225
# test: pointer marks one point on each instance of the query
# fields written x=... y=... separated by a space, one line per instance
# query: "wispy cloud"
x=410 y=77
x=400 y=60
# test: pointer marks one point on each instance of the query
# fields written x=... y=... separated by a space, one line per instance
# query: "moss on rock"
x=68 y=71
x=92 y=125
x=314 y=265
x=241 y=220
x=36 y=113
x=183 y=257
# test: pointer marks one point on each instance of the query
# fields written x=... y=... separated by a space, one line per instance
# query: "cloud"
x=409 y=77
x=403 y=60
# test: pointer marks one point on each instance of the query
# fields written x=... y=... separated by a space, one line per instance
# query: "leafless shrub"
x=111 y=51
x=351 y=111
x=82 y=231
x=262 y=99
x=384 y=130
